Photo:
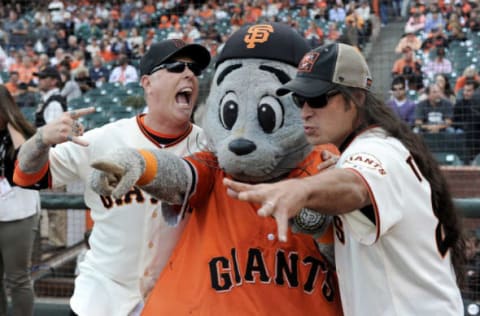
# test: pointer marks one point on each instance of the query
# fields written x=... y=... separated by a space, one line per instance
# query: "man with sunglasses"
x=397 y=235
x=130 y=241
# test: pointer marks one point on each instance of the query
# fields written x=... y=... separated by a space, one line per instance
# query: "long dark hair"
x=10 y=113
x=374 y=112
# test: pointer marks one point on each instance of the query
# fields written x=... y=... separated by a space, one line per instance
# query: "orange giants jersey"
x=229 y=260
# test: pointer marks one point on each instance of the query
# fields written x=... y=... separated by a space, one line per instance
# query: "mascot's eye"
x=270 y=114
x=228 y=111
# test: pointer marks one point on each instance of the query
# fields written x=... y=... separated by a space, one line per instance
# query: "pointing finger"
x=75 y=114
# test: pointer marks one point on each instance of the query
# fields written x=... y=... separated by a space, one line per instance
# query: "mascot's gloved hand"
x=116 y=173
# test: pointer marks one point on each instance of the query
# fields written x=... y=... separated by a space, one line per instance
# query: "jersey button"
x=150 y=245
x=271 y=237
x=154 y=214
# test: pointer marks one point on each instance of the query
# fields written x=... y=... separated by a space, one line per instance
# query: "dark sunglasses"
x=179 y=67
x=316 y=102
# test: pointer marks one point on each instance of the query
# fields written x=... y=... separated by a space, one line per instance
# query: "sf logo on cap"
x=257 y=34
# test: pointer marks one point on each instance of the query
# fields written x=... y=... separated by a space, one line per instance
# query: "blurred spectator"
x=384 y=5
x=436 y=38
x=466 y=117
x=56 y=9
x=98 y=72
x=434 y=20
x=12 y=83
x=314 y=34
x=456 y=34
x=357 y=24
x=16 y=29
x=401 y=105
x=446 y=91
x=471 y=289
x=410 y=68
x=336 y=13
x=43 y=62
x=83 y=79
x=26 y=70
x=124 y=72
x=440 y=65
x=363 y=10
x=58 y=57
x=470 y=73
x=25 y=97
x=333 y=33
x=135 y=41
x=70 y=88
x=53 y=104
x=19 y=216
x=410 y=40
x=434 y=114
x=415 y=23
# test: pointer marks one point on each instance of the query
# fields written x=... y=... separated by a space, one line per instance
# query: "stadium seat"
x=447 y=143
x=476 y=160
x=448 y=159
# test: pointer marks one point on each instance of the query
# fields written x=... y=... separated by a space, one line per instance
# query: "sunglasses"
x=179 y=67
x=398 y=89
x=316 y=102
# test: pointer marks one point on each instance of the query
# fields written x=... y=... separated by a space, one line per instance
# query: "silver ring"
x=69 y=138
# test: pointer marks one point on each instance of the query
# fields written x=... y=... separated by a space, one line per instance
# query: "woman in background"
x=19 y=209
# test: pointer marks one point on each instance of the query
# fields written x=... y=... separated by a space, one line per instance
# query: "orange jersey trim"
x=27 y=179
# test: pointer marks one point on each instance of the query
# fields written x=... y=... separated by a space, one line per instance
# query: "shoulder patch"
x=364 y=160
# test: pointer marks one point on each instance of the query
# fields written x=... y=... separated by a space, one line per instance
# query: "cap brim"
x=305 y=87
x=197 y=53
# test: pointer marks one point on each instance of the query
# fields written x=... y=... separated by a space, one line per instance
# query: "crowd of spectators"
x=437 y=66
x=101 y=41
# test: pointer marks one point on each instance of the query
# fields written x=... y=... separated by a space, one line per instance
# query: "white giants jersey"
x=130 y=242
x=389 y=258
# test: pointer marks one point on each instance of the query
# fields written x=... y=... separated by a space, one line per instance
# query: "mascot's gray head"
x=256 y=135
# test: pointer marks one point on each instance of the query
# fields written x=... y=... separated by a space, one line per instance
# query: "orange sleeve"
x=204 y=165
x=27 y=179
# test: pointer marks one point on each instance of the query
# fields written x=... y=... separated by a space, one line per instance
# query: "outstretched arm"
x=33 y=154
x=159 y=173
x=330 y=192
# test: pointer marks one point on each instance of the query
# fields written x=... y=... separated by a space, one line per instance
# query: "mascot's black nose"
x=242 y=146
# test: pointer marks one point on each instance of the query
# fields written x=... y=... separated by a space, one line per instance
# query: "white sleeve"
x=381 y=165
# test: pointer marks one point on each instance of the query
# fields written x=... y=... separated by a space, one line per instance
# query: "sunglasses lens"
x=177 y=67
x=318 y=102
x=315 y=102
x=298 y=100
x=195 y=68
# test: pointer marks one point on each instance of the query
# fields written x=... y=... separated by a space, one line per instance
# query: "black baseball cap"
x=48 y=72
x=166 y=50
x=272 y=41
x=328 y=66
